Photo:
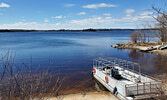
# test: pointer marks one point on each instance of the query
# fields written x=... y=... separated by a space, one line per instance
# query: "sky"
x=76 y=14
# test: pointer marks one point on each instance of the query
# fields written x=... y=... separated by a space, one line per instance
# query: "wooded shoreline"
x=66 y=30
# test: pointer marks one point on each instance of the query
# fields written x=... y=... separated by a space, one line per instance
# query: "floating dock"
x=124 y=79
x=162 y=47
x=150 y=48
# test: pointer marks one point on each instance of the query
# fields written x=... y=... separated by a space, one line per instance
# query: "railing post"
x=140 y=70
x=125 y=91
x=150 y=87
x=143 y=87
x=137 y=89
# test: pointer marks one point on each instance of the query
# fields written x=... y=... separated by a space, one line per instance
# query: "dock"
x=124 y=79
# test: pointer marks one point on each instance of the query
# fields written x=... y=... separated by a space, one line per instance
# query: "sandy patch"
x=87 y=96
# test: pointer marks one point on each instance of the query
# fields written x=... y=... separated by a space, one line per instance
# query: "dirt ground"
x=86 y=96
x=163 y=77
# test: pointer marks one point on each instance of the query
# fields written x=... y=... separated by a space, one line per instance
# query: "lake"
x=71 y=53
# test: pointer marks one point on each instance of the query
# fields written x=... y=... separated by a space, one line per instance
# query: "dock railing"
x=143 y=88
x=126 y=65
x=150 y=85
x=111 y=62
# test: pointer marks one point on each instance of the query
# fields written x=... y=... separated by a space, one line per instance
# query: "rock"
x=115 y=46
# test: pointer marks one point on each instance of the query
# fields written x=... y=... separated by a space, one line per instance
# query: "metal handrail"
x=100 y=63
x=111 y=61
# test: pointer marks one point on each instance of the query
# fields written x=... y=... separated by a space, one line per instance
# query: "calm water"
x=71 y=53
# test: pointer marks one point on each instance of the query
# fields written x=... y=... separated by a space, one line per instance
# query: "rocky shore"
x=134 y=45
x=142 y=47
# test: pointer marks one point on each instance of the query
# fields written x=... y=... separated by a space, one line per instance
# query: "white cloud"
x=69 y=5
x=19 y=25
x=46 y=20
x=4 y=5
x=140 y=18
x=81 y=13
x=129 y=11
x=107 y=14
x=92 y=22
x=31 y=25
x=146 y=13
x=96 y=6
x=59 y=17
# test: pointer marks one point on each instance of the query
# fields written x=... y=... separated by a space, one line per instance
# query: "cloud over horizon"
x=91 y=22
x=75 y=14
x=4 y=5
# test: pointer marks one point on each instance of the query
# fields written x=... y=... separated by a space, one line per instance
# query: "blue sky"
x=76 y=14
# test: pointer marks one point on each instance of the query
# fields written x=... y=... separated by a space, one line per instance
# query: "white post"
x=125 y=92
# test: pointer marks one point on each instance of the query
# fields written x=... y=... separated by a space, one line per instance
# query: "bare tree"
x=148 y=32
x=161 y=25
x=17 y=84
x=136 y=36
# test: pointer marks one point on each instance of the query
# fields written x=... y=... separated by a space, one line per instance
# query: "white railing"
x=151 y=85
x=143 y=88
x=126 y=65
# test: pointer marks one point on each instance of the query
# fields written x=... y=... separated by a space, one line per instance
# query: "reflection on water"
x=98 y=86
x=84 y=83
x=151 y=63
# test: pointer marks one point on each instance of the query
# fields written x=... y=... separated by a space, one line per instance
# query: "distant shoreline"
x=64 y=30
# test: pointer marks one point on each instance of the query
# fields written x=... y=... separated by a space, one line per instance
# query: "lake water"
x=71 y=53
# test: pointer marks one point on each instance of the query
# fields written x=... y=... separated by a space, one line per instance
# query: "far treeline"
x=61 y=30
x=157 y=29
